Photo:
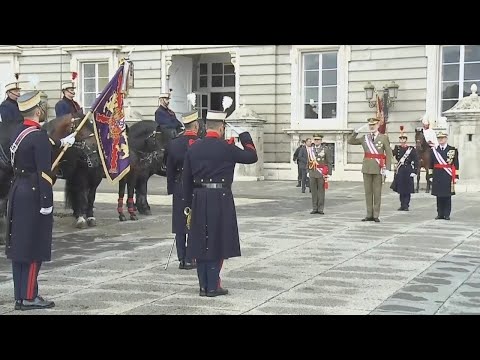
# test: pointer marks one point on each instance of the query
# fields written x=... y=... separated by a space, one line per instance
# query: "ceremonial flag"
x=110 y=126
x=380 y=115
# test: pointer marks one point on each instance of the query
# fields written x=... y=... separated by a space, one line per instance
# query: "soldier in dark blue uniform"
x=444 y=174
x=207 y=179
x=176 y=156
x=405 y=172
x=166 y=119
x=9 y=108
x=67 y=105
x=30 y=203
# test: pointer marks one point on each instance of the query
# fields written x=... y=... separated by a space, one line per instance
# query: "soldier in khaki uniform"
x=376 y=164
x=320 y=161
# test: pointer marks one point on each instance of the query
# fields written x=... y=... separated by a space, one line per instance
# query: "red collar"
x=212 y=134
x=190 y=133
x=28 y=122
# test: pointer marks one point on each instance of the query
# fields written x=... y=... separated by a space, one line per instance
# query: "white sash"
x=404 y=157
x=442 y=161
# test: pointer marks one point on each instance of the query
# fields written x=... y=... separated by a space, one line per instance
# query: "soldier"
x=405 y=171
x=207 y=180
x=67 y=105
x=428 y=132
x=444 y=174
x=9 y=108
x=295 y=159
x=165 y=117
x=30 y=203
x=177 y=149
x=320 y=163
x=376 y=164
x=303 y=164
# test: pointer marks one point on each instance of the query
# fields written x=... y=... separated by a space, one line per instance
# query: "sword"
x=170 y=255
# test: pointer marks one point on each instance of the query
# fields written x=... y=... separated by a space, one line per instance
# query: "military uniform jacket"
x=323 y=156
x=66 y=106
x=214 y=231
x=442 y=181
x=29 y=236
x=9 y=111
x=166 y=118
x=403 y=182
x=382 y=144
x=176 y=156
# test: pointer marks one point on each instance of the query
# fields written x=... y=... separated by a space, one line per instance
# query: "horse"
x=82 y=170
x=56 y=128
x=424 y=156
x=147 y=150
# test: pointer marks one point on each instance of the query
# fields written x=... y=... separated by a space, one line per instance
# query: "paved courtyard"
x=292 y=263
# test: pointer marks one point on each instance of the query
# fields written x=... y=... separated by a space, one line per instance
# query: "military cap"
x=402 y=134
x=190 y=117
x=164 y=96
x=373 y=121
x=68 y=85
x=442 y=134
x=317 y=136
x=29 y=100
x=216 y=115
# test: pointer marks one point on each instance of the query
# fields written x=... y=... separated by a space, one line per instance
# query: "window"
x=94 y=79
x=221 y=75
x=320 y=85
x=460 y=69
x=202 y=105
x=203 y=75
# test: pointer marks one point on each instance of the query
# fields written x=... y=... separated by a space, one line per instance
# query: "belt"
x=212 y=186
x=375 y=156
x=447 y=166
x=22 y=172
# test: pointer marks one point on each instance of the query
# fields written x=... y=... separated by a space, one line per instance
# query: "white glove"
x=430 y=179
x=235 y=129
x=46 y=211
x=386 y=172
x=413 y=175
x=70 y=140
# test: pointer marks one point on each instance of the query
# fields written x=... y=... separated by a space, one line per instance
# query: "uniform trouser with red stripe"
x=209 y=274
x=25 y=280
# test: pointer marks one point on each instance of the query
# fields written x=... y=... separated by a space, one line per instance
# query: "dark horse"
x=147 y=150
x=82 y=170
x=56 y=129
x=424 y=157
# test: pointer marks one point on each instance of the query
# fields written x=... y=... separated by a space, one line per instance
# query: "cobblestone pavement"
x=292 y=262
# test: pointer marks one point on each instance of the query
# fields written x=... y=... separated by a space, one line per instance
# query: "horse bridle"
x=86 y=149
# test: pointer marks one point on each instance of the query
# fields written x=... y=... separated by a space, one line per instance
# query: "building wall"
x=265 y=79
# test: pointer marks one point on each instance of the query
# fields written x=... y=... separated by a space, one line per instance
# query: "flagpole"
x=64 y=149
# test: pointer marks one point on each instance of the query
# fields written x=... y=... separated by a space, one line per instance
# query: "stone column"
x=463 y=126
x=247 y=119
